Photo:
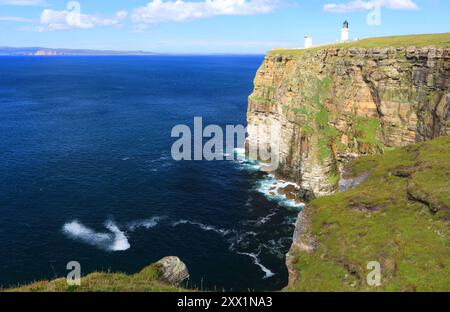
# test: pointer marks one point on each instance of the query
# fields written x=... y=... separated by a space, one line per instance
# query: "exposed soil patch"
x=363 y=206
x=415 y=193
x=404 y=171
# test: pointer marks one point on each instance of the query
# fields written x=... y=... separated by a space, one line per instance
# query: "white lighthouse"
x=308 y=42
x=345 y=33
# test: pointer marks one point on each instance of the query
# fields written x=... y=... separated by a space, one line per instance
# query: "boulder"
x=173 y=270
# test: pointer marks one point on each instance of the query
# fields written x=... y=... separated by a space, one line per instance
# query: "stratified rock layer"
x=332 y=105
x=173 y=270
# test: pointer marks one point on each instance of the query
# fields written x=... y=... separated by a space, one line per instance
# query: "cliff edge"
x=336 y=103
x=363 y=121
x=398 y=217
x=166 y=275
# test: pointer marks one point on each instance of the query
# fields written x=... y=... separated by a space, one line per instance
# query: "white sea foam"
x=115 y=240
x=146 y=223
x=240 y=153
x=244 y=163
x=278 y=247
x=160 y=159
x=156 y=164
x=270 y=186
x=236 y=240
x=203 y=227
x=78 y=230
x=233 y=240
x=120 y=239
x=265 y=219
x=267 y=273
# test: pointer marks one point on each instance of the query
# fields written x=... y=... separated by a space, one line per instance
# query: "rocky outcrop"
x=335 y=104
x=303 y=241
x=173 y=270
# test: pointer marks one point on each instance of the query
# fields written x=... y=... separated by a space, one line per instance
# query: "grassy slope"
x=145 y=280
x=378 y=221
x=437 y=40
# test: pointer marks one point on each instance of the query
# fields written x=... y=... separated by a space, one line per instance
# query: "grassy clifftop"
x=436 y=40
x=147 y=280
x=399 y=217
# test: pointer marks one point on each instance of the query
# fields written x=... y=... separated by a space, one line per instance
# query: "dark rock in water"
x=290 y=191
x=173 y=270
x=293 y=192
x=306 y=195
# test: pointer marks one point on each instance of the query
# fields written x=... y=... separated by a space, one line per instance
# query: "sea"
x=86 y=172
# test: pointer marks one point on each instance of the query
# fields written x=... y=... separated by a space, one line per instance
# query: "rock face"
x=333 y=105
x=173 y=270
x=302 y=242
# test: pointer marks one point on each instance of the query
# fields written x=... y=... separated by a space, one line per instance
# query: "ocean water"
x=86 y=172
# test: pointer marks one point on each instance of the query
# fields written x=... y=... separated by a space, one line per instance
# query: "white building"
x=308 y=42
x=345 y=33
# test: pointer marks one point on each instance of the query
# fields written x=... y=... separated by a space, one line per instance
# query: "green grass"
x=146 y=280
x=258 y=99
x=378 y=221
x=437 y=40
x=316 y=116
x=367 y=131
x=333 y=179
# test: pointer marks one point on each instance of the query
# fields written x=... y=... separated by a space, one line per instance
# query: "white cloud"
x=122 y=15
x=60 y=20
x=22 y=2
x=15 y=19
x=158 y=11
x=360 y=5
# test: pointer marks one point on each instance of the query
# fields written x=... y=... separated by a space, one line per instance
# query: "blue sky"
x=209 y=26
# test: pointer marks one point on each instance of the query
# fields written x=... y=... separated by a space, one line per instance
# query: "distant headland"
x=40 y=51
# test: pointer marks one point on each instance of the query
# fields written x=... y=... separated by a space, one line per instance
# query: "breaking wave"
x=244 y=163
x=268 y=185
x=271 y=186
x=120 y=241
x=114 y=240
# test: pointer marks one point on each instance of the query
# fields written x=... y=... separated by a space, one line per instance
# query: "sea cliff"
x=335 y=104
x=347 y=115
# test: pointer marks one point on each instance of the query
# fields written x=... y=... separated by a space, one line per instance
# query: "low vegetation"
x=436 y=40
x=399 y=217
x=143 y=281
